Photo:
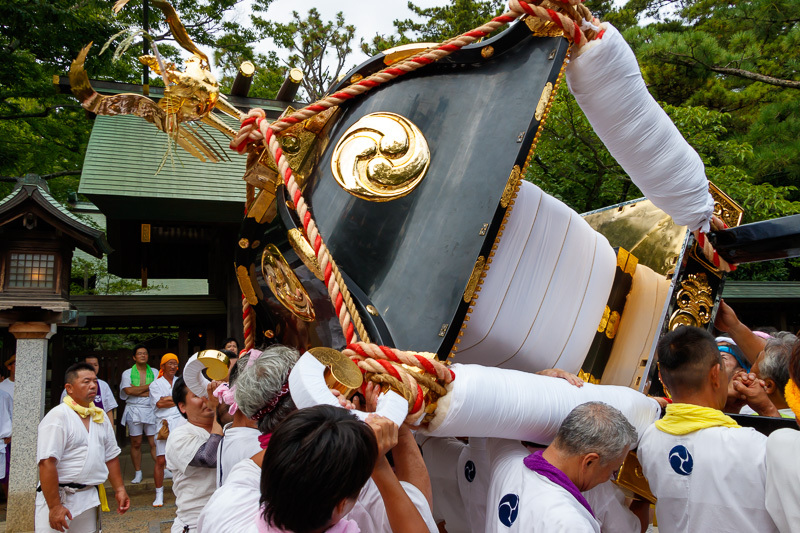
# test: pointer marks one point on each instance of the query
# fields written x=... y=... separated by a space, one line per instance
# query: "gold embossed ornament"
x=383 y=156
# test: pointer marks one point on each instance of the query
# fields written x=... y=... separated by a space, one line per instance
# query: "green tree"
x=319 y=48
x=740 y=58
x=45 y=132
x=92 y=277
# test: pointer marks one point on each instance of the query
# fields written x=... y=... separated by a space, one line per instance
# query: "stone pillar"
x=29 y=389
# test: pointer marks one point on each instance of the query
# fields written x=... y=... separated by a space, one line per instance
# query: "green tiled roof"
x=761 y=290
x=148 y=306
x=125 y=152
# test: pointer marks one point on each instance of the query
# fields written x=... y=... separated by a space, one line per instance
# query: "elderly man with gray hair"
x=256 y=402
x=542 y=492
x=763 y=388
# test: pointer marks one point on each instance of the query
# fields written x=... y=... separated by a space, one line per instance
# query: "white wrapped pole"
x=308 y=388
x=609 y=88
x=194 y=378
x=496 y=402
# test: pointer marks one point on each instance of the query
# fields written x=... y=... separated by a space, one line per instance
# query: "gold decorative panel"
x=285 y=285
x=695 y=303
x=381 y=157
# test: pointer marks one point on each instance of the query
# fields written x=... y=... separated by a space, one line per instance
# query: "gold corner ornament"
x=472 y=284
x=305 y=252
x=725 y=207
x=694 y=302
x=511 y=186
x=541 y=107
x=285 y=285
x=383 y=156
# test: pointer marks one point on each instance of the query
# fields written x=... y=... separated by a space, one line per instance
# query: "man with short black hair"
x=105 y=398
x=543 y=491
x=77 y=451
x=192 y=454
x=707 y=472
x=138 y=416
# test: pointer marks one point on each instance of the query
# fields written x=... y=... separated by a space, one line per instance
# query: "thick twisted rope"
x=709 y=251
x=249 y=320
x=362 y=350
x=382 y=364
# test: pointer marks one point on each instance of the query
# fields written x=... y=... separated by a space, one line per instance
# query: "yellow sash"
x=97 y=413
x=101 y=492
x=684 y=418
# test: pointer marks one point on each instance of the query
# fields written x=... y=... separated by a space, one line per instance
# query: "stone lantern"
x=37 y=238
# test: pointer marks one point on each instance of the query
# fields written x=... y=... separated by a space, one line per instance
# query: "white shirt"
x=608 y=503
x=160 y=388
x=783 y=479
x=235 y=505
x=8 y=386
x=6 y=412
x=192 y=485
x=708 y=480
x=106 y=396
x=81 y=455
x=523 y=501
x=442 y=456
x=137 y=408
x=238 y=443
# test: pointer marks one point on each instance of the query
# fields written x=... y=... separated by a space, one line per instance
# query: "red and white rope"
x=709 y=251
x=363 y=350
x=249 y=320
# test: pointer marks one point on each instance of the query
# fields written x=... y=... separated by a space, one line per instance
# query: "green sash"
x=136 y=379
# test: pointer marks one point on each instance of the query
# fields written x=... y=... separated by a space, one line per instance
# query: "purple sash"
x=98 y=400
x=539 y=464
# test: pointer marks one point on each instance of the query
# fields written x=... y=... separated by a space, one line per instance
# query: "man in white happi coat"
x=139 y=417
x=707 y=472
x=105 y=398
x=542 y=491
x=77 y=451
x=167 y=416
x=192 y=454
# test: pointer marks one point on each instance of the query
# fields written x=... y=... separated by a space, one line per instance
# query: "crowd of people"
x=244 y=458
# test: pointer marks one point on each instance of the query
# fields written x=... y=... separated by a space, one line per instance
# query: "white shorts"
x=161 y=447
x=135 y=429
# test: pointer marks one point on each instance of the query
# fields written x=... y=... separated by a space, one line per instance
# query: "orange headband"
x=166 y=357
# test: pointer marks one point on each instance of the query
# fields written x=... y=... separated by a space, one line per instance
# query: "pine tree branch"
x=691 y=61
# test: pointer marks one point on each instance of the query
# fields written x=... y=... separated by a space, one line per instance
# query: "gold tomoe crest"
x=381 y=157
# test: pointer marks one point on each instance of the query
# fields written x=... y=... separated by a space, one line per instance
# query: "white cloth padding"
x=194 y=378
x=308 y=388
x=545 y=290
x=610 y=90
x=638 y=327
x=508 y=404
